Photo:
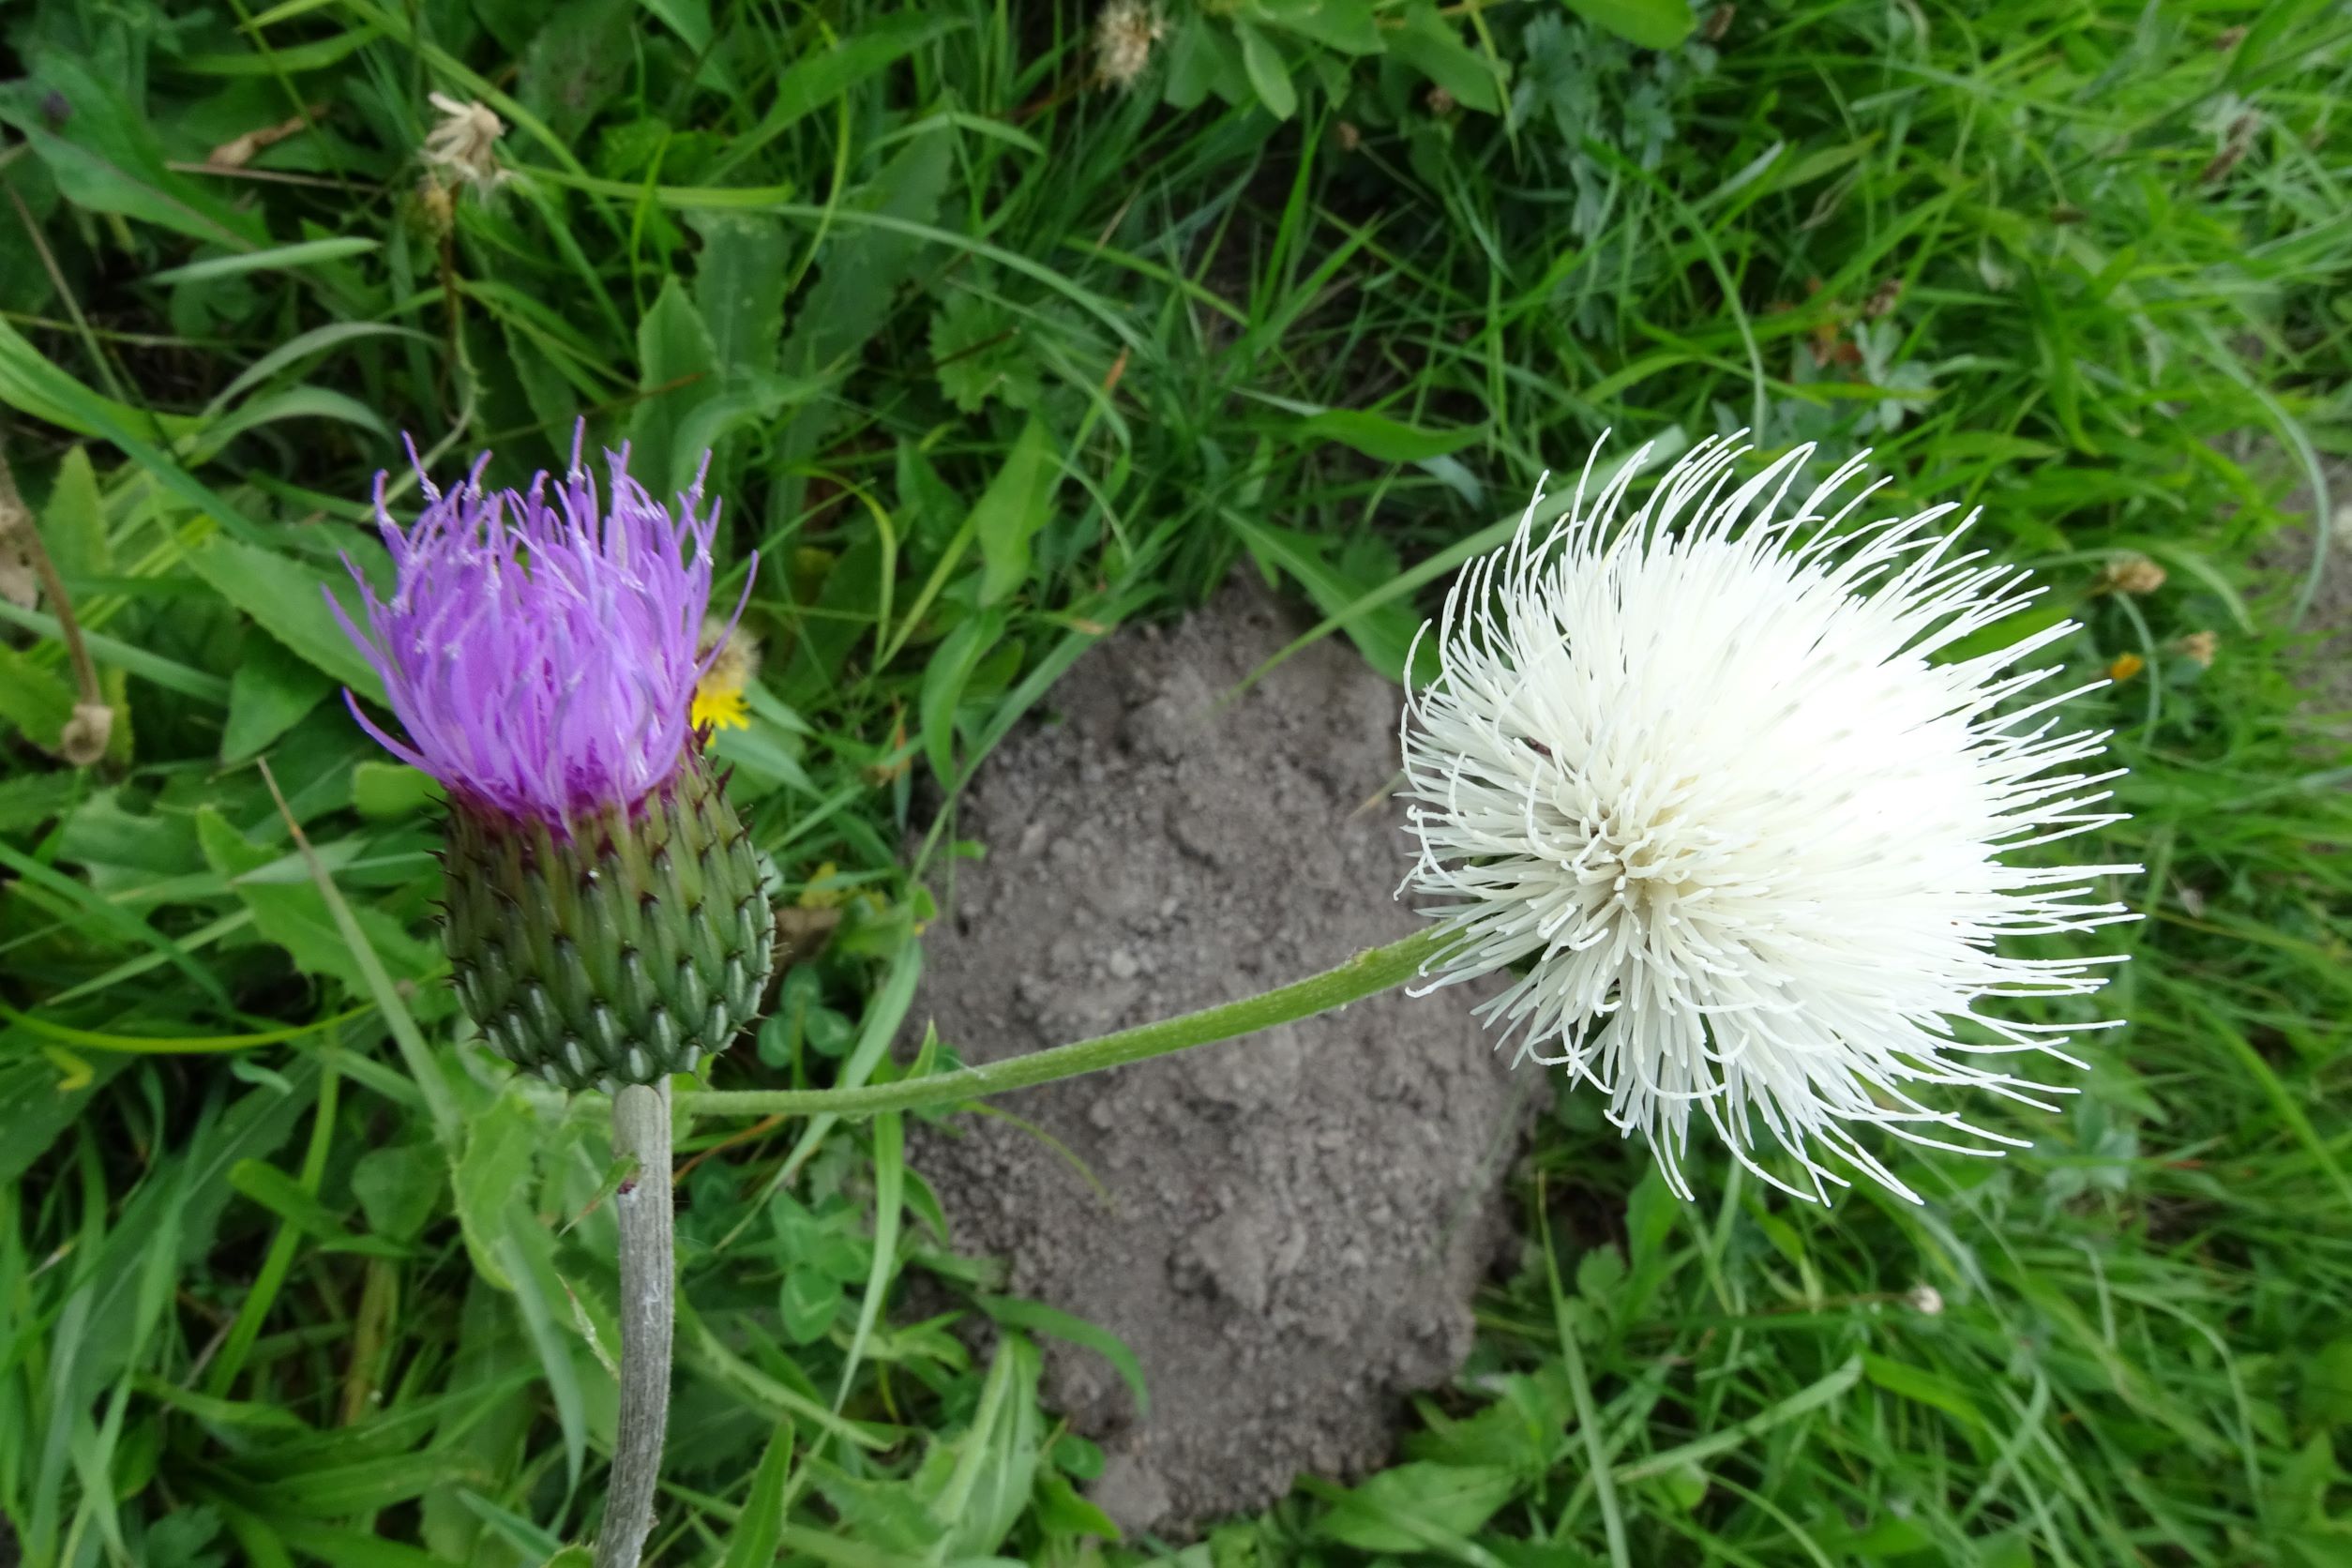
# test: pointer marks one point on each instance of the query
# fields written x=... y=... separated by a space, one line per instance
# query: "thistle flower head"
x=541 y=648
x=607 y=920
x=1699 y=777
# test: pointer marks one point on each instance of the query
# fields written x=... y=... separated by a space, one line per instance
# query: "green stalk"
x=649 y=1273
x=1368 y=973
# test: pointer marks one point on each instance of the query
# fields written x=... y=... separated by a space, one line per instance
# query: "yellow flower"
x=718 y=696
x=2125 y=667
x=719 y=705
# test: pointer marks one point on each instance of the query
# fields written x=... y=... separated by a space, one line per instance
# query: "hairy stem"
x=1368 y=973
x=640 y=1127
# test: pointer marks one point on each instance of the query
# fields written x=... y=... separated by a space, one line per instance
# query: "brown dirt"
x=1289 y=1228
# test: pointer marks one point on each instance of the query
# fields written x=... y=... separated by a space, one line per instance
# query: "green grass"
x=993 y=359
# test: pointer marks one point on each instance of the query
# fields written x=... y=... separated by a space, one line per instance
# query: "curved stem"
x=641 y=1127
x=1368 y=973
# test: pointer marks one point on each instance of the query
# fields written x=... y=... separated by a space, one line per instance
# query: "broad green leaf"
x=1017 y=504
x=860 y=272
x=1419 y=1505
x=30 y=799
x=1432 y=45
x=384 y=790
x=1377 y=436
x=1269 y=76
x=287 y=598
x=677 y=371
x=1347 y=26
x=35 y=1106
x=2325 y=1397
x=37 y=700
x=268 y=695
x=294 y=913
x=339 y=1491
x=105 y=157
x=74 y=523
x=1652 y=24
x=1920 y=1385
x=499 y=1147
x=398 y=1187
x=282 y=60
x=739 y=288
x=293 y=403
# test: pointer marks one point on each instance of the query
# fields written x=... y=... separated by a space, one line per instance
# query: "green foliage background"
x=995 y=355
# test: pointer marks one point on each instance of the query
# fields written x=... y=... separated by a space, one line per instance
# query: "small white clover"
x=1697 y=776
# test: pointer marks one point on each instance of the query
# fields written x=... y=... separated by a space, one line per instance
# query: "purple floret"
x=540 y=650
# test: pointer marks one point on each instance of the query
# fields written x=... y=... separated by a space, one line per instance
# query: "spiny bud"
x=608 y=919
x=629 y=949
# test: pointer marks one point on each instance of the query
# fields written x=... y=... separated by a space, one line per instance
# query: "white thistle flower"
x=1705 y=783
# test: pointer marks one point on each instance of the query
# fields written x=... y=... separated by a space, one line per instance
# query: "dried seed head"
x=2200 y=646
x=82 y=741
x=2135 y=574
x=461 y=148
x=1125 y=32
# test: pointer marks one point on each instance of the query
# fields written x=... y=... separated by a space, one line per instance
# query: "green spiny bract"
x=620 y=953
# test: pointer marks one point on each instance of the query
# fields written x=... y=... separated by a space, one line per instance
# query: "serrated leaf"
x=858 y=281
x=739 y=288
x=977 y=353
x=270 y=692
x=499 y=1147
x=37 y=700
x=294 y=914
x=287 y=598
x=73 y=523
x=1419 y=1504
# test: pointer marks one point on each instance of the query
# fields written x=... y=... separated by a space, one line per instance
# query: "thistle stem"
x=1368 y=973
x=640 y=1127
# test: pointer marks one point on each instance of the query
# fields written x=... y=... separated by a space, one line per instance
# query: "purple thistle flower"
x=540 y=650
